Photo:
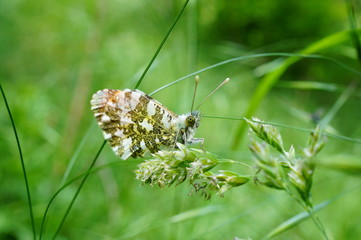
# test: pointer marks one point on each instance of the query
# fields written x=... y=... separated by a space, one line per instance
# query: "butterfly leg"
x=195 y=141
x=176 y=140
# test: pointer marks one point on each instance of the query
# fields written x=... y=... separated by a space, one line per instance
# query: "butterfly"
x=134 y=123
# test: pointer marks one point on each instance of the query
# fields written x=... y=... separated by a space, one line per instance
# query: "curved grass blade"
x=75 y=156
x=277 y=54
x=270 y=79
x=161 y=45
x=65 y=185
x=295 y=220
x=22 y=163
x=78 y=190
x=194 y=213
x=331 y=135
x=228 y=222
x=344 y=163
x=288 y=224
x=311 y=85
x=336 y=107
x=353 y=25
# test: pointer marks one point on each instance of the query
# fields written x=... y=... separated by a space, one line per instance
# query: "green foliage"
x=56 y=54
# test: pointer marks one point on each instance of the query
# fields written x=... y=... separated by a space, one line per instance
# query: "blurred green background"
x=55 y=54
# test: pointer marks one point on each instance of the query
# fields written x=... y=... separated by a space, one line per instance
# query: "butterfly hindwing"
x=133 y=122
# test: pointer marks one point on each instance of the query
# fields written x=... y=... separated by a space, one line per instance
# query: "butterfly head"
x=187 y=125
x=192 y=120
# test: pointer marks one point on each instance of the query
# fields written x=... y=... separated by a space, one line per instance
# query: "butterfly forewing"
x=133 y=122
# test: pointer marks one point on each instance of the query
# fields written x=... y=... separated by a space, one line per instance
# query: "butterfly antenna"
x=220 y=85
x=195 y=91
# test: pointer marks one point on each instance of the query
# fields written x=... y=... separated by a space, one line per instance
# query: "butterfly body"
x=135 y=123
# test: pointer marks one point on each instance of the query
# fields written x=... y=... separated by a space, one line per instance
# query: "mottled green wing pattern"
x=133 y=122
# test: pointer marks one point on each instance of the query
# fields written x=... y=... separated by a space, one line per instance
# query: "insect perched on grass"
x=135 y=123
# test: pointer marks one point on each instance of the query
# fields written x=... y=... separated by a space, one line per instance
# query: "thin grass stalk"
x=22 y=163
x=75 y=156
x=330 y=135
x=228 y=222
x=288 y=224
x=308 y=207
x=272 y=78
x=78 y=190
x=318 y=222
x=312 y=85
x=295 y=220
x=336 y=107
x=51 y=201
x=304 y=215
x=161 y=45
x=353 y=25
x=261 y=55
x=65 y=185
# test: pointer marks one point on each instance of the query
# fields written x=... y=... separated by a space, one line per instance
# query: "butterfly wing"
x=133 y=122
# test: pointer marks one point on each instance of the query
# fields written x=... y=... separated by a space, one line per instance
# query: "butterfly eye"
x=190 y=120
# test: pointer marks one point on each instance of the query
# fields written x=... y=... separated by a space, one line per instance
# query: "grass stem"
x=22 y=163
x=161 y=45
x=78 y=190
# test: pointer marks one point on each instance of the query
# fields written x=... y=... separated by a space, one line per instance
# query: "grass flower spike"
x=267 y=133
x=286 y=171
x=174 y=167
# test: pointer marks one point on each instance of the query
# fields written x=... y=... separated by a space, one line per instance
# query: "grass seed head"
x=286 y=170
x=174 y=167
x=267 y=133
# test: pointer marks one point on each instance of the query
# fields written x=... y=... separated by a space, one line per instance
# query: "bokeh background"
x=55 y=54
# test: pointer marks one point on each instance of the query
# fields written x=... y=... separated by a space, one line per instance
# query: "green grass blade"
x=336 y=107
x=228 y=222
x=194 y=213
x=161 y=45
x=331 y=135
x=288 y=224
x=353 y=26
x=295 y=220
x=65 y=185
x=52 y=200
x=78 y=190
x=346 y=163
x=261 y=55
x=75 y=156
x=270 y=79
x=311 y=85
x=22 y=163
